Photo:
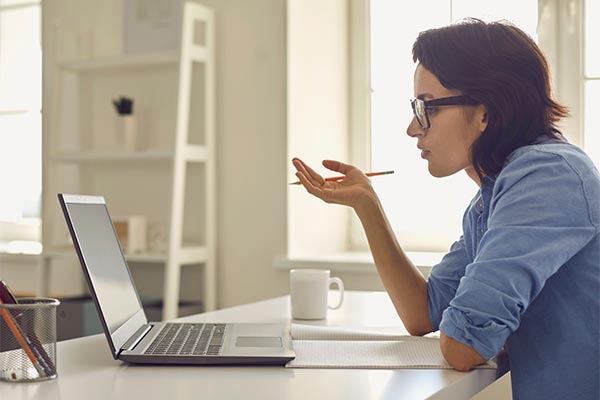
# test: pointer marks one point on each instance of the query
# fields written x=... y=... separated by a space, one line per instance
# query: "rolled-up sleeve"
x=539 y=218
x=443 y=281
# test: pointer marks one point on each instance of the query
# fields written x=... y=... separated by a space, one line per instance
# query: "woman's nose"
x=414 y=129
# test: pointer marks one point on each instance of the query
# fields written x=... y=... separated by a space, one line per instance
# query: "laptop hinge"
x=136 y=338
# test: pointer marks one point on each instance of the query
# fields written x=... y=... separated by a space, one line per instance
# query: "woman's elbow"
x=418 y=329
x=418 y=326
x=460 y=356
x=459 y=363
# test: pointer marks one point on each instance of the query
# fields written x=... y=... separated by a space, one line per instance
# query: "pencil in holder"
x=28 y=340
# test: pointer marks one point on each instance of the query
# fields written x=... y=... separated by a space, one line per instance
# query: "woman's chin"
x=437 y=172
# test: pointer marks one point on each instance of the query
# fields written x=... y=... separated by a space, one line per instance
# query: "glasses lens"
x=418 y=107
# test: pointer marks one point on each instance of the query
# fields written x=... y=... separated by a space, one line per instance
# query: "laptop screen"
x=105 y=263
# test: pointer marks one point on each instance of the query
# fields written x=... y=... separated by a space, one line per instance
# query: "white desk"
x=86 y=369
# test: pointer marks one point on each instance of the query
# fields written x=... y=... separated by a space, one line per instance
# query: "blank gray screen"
x=105 y=263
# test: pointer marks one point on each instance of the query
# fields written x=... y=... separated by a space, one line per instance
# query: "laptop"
x=130 y=336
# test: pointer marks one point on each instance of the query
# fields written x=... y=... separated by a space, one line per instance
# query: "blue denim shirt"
x=525 y=275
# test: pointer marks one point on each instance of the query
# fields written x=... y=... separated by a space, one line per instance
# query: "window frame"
x=360 y=105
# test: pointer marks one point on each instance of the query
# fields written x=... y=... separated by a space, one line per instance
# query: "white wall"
x=251 y=138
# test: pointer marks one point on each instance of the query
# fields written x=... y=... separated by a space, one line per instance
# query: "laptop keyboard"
x=188 y=339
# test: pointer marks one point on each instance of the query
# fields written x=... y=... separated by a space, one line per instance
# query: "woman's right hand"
x=352 y=191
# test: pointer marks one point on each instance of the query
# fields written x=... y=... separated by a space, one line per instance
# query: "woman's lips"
x=424 y=153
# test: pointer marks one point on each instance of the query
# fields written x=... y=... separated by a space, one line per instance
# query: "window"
x=20 y=125
x=426 y=212
x=591 y=80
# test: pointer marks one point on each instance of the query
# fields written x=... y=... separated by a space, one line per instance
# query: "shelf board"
x=147 y=257
x=187 y=255
x=114 y=156
x=195 y=153
x=192 y=254
x=125 y=61
x=199 y=54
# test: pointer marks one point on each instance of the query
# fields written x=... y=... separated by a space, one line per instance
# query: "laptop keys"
x=188 y=339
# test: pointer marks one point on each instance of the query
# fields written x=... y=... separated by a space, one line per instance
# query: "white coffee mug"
x=309 y=289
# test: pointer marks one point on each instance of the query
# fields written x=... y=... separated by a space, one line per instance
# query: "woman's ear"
x=482 y=117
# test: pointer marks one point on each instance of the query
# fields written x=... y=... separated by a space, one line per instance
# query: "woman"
x=525 y=274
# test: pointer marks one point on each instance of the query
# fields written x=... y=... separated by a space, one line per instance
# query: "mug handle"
x=340 y=285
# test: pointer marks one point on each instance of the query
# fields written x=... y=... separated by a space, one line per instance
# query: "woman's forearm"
x=405 y=284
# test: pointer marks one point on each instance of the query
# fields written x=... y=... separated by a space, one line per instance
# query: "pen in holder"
x=28 y=340
x=126 y=124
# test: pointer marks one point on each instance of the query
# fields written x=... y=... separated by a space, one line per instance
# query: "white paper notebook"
x=334 y=347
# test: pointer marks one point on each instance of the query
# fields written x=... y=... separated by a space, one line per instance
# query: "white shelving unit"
x=169 y=178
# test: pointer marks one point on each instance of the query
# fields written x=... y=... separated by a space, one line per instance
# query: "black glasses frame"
x=420 y=106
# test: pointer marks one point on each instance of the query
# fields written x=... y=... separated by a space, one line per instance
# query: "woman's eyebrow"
x=424 y=96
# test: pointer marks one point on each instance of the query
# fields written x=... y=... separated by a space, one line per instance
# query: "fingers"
x=312 y=182
x=308 y=185
x=338 y=166
x=313 y=177
x=320 y=188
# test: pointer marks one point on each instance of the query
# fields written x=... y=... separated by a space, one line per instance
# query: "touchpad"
x=258 y=341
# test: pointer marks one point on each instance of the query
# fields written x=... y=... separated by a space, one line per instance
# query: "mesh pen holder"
x=28 y=340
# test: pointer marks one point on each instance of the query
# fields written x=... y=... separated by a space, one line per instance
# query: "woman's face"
x=447 y=142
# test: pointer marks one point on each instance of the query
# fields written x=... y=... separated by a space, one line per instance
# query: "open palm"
x=349 y=191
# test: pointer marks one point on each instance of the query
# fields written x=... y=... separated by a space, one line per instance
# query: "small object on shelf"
x=131 y=231
x=151 y=25
x=124 y=105
x=126 y=124
x=158 y=238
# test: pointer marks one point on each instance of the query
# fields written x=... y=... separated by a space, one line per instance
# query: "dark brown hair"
x=503 y=68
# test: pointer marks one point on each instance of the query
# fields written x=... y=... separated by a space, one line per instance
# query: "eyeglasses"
x=420 y=107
